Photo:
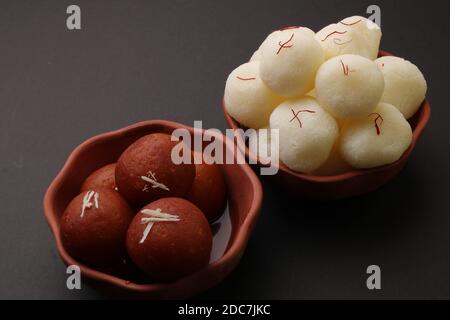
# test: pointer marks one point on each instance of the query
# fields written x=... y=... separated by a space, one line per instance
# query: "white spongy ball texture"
x=305 y=148
x=263 y=146
x=334 y=164
x=256 y=56
x=405 y=86
x=250 y=102
x=290 y=70
x=352 y=35
x=361 y=145
x=349 y=86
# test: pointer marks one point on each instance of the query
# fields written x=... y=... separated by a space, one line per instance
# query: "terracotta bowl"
x=349 y=184
x=243 y=210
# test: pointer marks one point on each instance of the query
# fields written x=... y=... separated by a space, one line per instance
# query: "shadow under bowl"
x=346 y=185
x=243 y=210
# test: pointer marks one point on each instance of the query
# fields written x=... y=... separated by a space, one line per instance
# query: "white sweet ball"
x=352 y=35
x=405 y=86
x=335 y=164
x=306 y=132
x=256 y=56
x=247 y=99
x=289 y=61
x=376 y=139
x=349 y=86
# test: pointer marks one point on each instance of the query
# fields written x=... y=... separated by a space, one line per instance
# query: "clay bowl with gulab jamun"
x=350 y=181
x=138 y=223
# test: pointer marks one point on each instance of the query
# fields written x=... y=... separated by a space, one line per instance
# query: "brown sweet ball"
x=169 y=238
x=145 y=172
x=208 y=190
x=101 y=178
x=94 y=226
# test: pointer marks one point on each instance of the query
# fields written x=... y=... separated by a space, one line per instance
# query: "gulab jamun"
x=101 y=178
x=208 y=190
x=145 y=171
x=94 y=226
x=169 y=238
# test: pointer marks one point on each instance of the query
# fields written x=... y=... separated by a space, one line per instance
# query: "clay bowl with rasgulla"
x=349 y=184
x=230 y=233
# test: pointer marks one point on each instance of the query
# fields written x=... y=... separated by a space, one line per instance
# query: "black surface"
x=137 y=60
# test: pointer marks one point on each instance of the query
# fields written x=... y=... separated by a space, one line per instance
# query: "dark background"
x=138 y=60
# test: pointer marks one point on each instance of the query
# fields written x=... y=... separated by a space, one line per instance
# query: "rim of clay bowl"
x=422 y=114
x=233 y=251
